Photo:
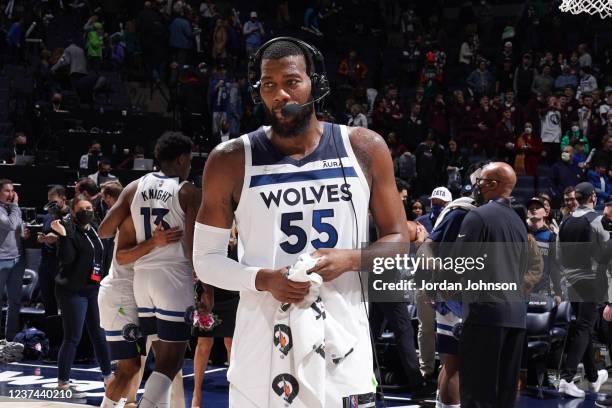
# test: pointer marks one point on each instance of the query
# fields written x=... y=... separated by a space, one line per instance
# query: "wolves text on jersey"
x=307 y=195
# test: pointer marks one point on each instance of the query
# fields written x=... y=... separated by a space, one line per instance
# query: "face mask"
x=436 y=210
x=477 y=194
x=565 y=156
x=528 y=130
x=575 y=128
x=84 y=217
x=95 y=152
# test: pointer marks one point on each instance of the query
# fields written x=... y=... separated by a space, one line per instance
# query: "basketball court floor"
x=19 y=378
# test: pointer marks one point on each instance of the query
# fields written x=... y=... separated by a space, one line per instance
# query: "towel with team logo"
x=307 y=342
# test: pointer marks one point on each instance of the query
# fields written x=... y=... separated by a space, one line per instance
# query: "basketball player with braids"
x=299 y=186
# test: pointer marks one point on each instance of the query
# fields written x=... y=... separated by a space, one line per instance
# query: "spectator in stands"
x=569 y=201
x=516 y=111
x=234 y=113
x=103 y=174
x=457 y=163
x=573 y=136
x=90 y=190
x=505 y=136
x=565 y=173
x=437 y=119
x=543 y=82
x=253 y=34
x=415 y=128
x=467 y=53
x=92 y=158
x=566 y=78
x=81 y=257
x=14 y=38
x=528 y=149
x=480 y=81
x=352 y=70
x=580 y=157
x=550 y=128
x=357 y=118
x=417 y=209
x=439 y=198
x=598 y=177
x=219 y=51
x=588 y=83
x=49 y=263
x=430 y=162
x=523 y=79
x=585 y=58
x=181 y=39
x=219 y=105
x=153 y=36
x=73 y=56
x=505 y=77
x=481 y=122
x=604 y=155
x=549 y=219
x=12 y=257
x=94 y=46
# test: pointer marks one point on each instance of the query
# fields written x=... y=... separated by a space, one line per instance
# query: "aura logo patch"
x=282 y=338
x=286 y=386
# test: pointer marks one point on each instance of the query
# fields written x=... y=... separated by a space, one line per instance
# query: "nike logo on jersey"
x=460 y=235
x=307 y=195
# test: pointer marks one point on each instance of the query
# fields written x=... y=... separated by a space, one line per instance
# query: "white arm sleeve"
x=212 y=265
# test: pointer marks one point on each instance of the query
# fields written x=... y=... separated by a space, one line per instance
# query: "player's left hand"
x=332 y=262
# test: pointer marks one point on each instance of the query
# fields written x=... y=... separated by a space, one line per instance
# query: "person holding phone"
x=81 y=262
x=12 y=261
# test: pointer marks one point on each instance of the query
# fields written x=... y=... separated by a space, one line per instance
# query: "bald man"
x=491 y=340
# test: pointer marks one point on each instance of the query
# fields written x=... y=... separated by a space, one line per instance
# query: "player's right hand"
x=163 y=237
x=283 y=289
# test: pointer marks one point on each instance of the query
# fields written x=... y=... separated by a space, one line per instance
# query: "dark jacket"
x=76 y=256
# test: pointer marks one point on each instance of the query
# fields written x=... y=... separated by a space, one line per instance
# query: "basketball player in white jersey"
x=118 y=309
x=299 y=186
x=163 y=278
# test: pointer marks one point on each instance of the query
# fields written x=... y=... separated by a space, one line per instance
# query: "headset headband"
x=318 y=76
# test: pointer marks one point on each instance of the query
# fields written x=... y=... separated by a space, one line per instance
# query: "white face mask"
x=575 y=128
x=565 y=156
x=528 y=130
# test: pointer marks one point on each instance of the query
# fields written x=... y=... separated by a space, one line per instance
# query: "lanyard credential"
x=96 y=268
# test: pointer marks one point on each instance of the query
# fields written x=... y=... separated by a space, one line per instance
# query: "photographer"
x=81 y=257
x=56 y=209
x=12 y=263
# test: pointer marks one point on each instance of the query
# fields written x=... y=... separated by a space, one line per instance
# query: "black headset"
x=318 y=77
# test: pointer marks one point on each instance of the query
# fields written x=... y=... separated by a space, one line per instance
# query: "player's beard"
x=295 y=126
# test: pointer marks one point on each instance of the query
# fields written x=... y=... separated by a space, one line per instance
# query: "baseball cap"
x=466 y=190
x=584 y=189
x=608 y=90
x=441 y=193
x=537 y=200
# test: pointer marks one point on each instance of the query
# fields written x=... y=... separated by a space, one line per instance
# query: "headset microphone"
x=292 y=109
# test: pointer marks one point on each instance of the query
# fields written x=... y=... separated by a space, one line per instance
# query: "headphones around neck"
x=318 y=77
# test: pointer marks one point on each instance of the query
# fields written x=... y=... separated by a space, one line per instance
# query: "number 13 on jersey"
x=158 y=213
x=289 y=227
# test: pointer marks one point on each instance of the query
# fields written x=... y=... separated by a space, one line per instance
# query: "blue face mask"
x=436 y=210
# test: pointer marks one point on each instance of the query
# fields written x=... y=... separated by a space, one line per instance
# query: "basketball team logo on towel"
x=282 y=338
x=286 y=386
x=319 y=309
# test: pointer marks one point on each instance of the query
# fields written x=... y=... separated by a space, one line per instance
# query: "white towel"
x=306 y=340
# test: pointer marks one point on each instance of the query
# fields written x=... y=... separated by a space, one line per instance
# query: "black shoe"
x=604 y=403
x=426 y=390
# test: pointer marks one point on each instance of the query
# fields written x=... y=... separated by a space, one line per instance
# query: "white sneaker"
x=602 y=377
x=570 y=389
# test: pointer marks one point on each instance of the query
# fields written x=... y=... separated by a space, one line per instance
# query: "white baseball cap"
x=441 y=193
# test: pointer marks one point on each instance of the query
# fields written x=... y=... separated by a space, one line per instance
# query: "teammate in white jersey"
x=163 y=278
x=118 y=309
x=300 y=186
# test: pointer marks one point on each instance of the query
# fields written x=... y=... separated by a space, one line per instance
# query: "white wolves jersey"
x=118 y=274
x=288 y=207
x=157 y=201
